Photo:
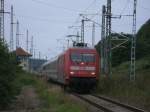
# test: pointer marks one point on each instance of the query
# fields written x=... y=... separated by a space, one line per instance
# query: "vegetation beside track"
x=118 y=84
x=8 y=69
x=13 y=79
x=119 y=87
x=50 y=99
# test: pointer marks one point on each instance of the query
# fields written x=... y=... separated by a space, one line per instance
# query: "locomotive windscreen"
x=82 y=57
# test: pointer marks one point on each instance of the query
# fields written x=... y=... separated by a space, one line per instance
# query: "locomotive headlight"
x=92 y=73
x=71 y=73
x=82 y=63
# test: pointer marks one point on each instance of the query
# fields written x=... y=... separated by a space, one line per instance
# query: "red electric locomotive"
x=77 y=68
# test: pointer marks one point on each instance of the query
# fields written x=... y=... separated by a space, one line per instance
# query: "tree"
x=143 y=41
x=7 y=75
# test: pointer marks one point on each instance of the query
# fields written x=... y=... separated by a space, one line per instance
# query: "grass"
x=56 y=100
x=118 y=85
x=53 y=100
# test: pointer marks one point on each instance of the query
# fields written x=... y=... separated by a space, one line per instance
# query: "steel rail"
x=132 y=108
x=93 y=104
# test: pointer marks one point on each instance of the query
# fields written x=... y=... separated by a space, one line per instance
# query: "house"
x=23 y=58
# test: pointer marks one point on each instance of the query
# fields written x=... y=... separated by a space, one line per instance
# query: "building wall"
x=23 y=62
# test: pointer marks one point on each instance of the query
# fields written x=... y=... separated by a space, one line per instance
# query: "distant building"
x=23 y=58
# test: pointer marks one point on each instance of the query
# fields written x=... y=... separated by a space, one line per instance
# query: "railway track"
x=106 y=104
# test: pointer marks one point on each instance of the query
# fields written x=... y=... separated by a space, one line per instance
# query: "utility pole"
x=82 y=28
x=93 y=34
x=133 y=45
x=82 y=31
x=27 y=34
x=11 y=31
x=103 y=40
x=0 y=29
x=39 y=55
x=46 y=58
x=2 y=23
x=63 y=47
x=17 y=34
x=2 y=20
x=108 y=38
x=77 y=37
x=31 y=50
x=68 y=43
x=34 y=54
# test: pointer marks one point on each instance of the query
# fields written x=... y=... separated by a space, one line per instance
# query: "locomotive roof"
x=82 y=48
x=49 y=61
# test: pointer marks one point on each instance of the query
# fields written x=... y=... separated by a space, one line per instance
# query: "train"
x=76 y=68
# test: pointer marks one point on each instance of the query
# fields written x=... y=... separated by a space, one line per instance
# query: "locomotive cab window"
x=82 y=57
x=76 y=57
x=88 y=57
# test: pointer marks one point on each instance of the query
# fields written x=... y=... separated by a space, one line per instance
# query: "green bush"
x=7 y=76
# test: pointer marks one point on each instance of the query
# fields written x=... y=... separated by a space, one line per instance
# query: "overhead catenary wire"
x=124 y=8
x=92 y=3
x=87 y=8
x=42 y=19
x=111 y=30
x=77 y=20
x=55 y=6
x=54 y=20
x=141 y=6
x=46 y=20
x=145 y=8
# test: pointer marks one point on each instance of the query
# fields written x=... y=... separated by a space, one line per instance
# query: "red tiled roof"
x=22 y=52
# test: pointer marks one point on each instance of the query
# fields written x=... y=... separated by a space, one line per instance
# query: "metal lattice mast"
x=17 y=34
x=103 y=40
x=109 y=41
x=11 y=31
x=77 y=37
x=34 y=54
x=31 y=50
x=82 y=31
x=106 y=42
x=39 y=55
x=108 y=38
x=93 y=34
x=2 y=20
x=0 y=30
x=133 y=44
x=27 y=34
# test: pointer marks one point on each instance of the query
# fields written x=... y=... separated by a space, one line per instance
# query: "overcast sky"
x=48 y=20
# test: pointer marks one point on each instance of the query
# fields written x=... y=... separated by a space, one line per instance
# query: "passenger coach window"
x=77 y=57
